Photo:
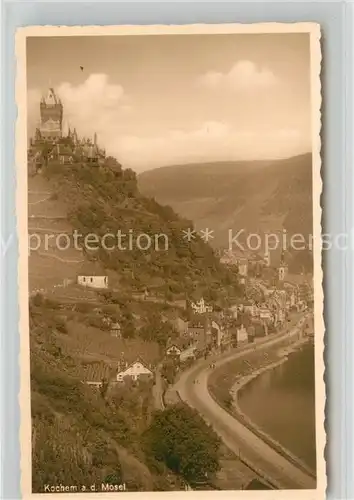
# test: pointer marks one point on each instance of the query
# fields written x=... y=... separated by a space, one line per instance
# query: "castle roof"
x=51 y=98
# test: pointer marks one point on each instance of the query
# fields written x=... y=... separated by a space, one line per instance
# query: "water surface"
x=281 y=401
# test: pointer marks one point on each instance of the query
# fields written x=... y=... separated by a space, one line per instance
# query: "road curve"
x=192 y=388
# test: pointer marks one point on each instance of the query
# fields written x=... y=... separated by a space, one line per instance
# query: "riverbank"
x=241 y=385
x=193 y=388
x=226 y=382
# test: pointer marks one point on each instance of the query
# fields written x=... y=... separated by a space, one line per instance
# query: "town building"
x=218 y=333
x=242 y=335
x=232 y=257
x=189 y=353
x=199 y=333
x=173 y=350
x=93 y=281
x=265 y=313
x=243 y=267
x=115 y=330
x=200 y=307
x=180 y=325
x=234 y=311
x=136 y=371
x=282 y=269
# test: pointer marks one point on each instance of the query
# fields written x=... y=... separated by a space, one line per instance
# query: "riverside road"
x=192 y=388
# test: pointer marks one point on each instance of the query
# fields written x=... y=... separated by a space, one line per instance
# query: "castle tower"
x=51 y=112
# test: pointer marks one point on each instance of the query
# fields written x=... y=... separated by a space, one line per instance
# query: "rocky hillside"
x=257 y=197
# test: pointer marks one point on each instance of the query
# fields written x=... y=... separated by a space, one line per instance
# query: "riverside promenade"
x=192 y=388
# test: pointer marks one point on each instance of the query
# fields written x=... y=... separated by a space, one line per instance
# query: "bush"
x=60 y=325
x=38 y=300
x=181 y=439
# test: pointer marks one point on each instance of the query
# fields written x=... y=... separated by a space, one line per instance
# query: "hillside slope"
x=151 y=253
x=99 y=435
x=256 y=197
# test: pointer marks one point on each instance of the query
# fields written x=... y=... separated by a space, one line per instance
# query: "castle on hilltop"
x=50 y=145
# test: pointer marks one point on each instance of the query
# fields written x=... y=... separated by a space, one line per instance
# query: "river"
x=281 y=401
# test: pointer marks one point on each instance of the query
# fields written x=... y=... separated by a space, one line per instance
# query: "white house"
x=93 y=281
x=219 y=333
x=173 y=350
x=242 y=335
x=136 y=371
x=188 y=353
x=200 y=307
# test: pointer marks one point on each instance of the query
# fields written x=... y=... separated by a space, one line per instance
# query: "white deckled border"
x=313 y=30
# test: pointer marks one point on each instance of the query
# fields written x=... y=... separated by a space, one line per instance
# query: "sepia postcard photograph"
x=170 y=274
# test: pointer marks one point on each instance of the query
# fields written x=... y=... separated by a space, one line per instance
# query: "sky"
x=173 y=99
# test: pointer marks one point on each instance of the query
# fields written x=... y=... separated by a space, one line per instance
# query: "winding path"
x=192 y=388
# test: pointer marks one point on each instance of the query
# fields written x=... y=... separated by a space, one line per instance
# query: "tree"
x=181 y=439
x=38 y=300
x=112 y=163
x=104 y=388
x=169 y=370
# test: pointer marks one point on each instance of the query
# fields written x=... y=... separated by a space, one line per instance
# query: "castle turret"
x=51 y=111
x=75 y=138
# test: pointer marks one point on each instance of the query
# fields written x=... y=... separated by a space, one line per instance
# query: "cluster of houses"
x=256 y=265
x=262 y=310
x=247 y=318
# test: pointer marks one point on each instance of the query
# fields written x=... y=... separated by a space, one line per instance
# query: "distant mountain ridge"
x=254 y=196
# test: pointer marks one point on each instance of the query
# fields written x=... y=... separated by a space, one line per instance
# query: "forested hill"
x=255 y=196
x=110 y=436
x=107 y=200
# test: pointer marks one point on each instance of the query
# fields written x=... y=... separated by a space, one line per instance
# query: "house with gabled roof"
x=116 y=330
x=135 y=371
x=176 y=346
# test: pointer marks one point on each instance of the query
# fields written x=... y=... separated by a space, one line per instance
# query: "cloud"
x=96 y=105
x=244 y=75
x=93 y=106
x=210 y=141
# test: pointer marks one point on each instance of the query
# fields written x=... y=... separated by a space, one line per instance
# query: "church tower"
x=51 y=111
x=266 y=259
x=282 y=270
